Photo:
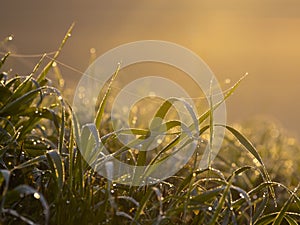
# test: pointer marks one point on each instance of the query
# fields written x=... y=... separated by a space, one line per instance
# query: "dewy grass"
x=45 y=180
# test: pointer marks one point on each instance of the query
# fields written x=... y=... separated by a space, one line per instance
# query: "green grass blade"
x=279 y=218
x=24 y=190
x=205 y=115
x=6 y=177
x=14 y=106
x=221 y=203
x=31 y=162
x=57 y=168
x=43 y=74
x=142 y=204
x=291 y=220
x=3 y=59
x=266 y=219
x=248 y=145
x=61 y=131
x=100 y=112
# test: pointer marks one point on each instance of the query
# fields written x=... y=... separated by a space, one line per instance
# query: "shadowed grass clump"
x=45 y=180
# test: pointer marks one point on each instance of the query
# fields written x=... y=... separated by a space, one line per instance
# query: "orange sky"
x=233 y=37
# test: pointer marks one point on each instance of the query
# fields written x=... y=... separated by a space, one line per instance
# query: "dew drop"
x=112 y=191
x=68 y=202
x=54 y=64
x=227 y=81
x=241 y=195
x=10 y=37
x=59 y=98
x=36 y=195
x=92 y=50
x=209 y=208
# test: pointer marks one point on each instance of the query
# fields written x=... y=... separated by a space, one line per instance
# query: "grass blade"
x=57 y=168
x=43 y=74
x=3 y=59
x=100 y=112
x=247 y=144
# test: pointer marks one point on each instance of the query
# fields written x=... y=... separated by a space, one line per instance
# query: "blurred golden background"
x=261 y=37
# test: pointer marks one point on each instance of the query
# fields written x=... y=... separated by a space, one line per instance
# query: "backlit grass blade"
x=266 y=219
x=24 y=190
x=247 y=144
x=142 y=204
x=5 y=177
x=43 y=74
x=3 y=59
x=61 y=131
x=14 y=105
x=211 y=124
x=57 y=168
x=291 y=220
x=27 y=84
x=279 y=218
x=31 y=162
x=221 y=203
x=205 y=115
x=100 y=112
x=260 y=209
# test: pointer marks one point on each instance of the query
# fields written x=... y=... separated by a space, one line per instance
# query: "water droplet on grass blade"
x=92 y=50
x=36 y=195
x=227 y=81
